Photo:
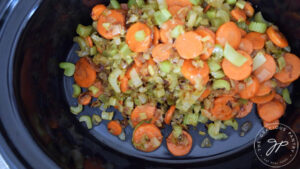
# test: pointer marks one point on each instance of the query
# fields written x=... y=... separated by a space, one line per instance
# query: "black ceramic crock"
x=37 y=129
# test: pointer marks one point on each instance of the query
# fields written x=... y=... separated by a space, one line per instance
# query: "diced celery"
x=241 y=4
x=140 y=3
x=195 y=2
x=69 y=68
x=233 y=56
x=140 y=35
x=82 y=44
x=107 y=115
x=191 y=19
x=76 y=90
x=221 y=84
x=243 y=101
x=258 y=27
x=162 y=16
x=162 y=4
x=213 y=65
x=112 y=101
x=232 y=122
x=115 y=4
x=258 y=60
x=211 y=14
x=191 y=119
x=216 y=22
x=76 y=110
x=87 y=120
x=84 y=31
x=94 y=90
x=165 y=66
x=131 y=3
x=218 y=74
x=231 y=2
x=93 y=50
x=202 y=119
x=286 y=96
x=113 y=80
x=96 y=119
x=214 y=131
x=281 y=62
x=177 y=131
x=259 y=18
x=106 y=25
x=197 y=108
x=178 y=30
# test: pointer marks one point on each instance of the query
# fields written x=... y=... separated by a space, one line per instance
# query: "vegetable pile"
x=180 y=63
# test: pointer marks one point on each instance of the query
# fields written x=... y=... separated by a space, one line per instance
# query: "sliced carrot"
x=182 y=147
x=245 y=110
x=264 y=88
x=205 y=94
x=270 y=111
x=246 y=45
x=84 y=98
x=267 y=70
x=263 y=99
x=209 y=44
x=97 y=11
x=271 y=125
x=250 y=88
x=166 y=29
x=291 y=71
x=189 y=45
x=182 y=3
x=115 y=21
x=143 y=112
x=235 y=72
x=124 y=84
x=114 y=127
x=229 y=32
x=89 y=41
x=257 y=39
x=223 y=108
x=249 y=10
x=277 y=37
x=279 y=98
x=178 y=12
x=133 y=43
x=100 y=88
x=192 y=73
x=238 y=14
x=162 y=52
x=243 y=32
x=156 y=36
x=169 y=115
x=147 y=137
x=85 y=74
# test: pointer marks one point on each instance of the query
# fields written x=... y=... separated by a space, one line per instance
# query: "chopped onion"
x=135 y=79
x=258 y=60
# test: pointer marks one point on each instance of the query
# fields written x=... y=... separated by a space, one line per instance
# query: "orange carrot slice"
x=156 y=35
x=85 y=74
x=192 y=73
x=189 y=45
x=291 y=71
x=182 y=147
x=97 y=11
x=238 y=14
x=115 y=22
x=209 y=44
x=147 y=137
x=267 y=70
x=277 y=37
x=257 y=39
x=235 y=72
x=166 y=29
x=263 y=99
x=169 y=115
x=114 y=127
x=270 y=111
x=246 y=45
x=229 y=32
x=250 y=88
x=162 y=52
x=143 y=112
x=137 y=45
x=244 y=110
